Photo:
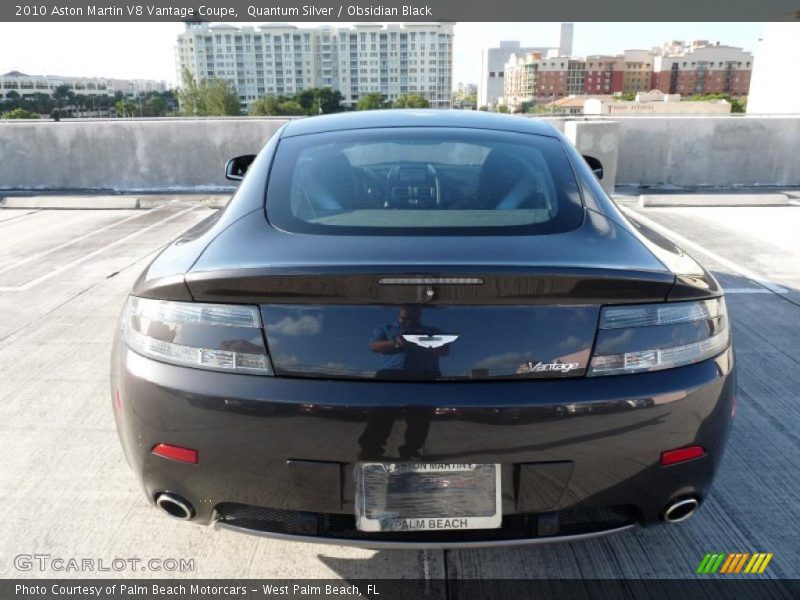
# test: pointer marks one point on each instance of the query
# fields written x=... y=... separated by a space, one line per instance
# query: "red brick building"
x=704 y=70
x=676 y=68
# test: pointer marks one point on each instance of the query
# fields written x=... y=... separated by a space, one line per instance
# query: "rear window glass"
x=422 y=181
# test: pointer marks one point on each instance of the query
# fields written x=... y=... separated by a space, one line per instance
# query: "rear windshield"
x=422 y=181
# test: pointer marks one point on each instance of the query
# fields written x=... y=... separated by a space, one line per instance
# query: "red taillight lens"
x=679 y=455
x=186 y=455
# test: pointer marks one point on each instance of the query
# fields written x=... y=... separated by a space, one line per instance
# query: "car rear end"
x=384 y=357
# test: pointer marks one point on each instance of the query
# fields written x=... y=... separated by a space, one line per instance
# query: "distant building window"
x=491 y=73
x=500 y=74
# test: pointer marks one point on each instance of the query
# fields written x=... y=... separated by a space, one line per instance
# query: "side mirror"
x=595 y=165
x=237 y=166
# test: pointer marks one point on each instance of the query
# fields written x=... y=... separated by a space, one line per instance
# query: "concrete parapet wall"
x=709 y=151
x=189 y=154
x=599 y=139
x=130 y=155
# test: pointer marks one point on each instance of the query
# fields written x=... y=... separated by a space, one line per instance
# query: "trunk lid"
x=482 y=307
x=414 y=342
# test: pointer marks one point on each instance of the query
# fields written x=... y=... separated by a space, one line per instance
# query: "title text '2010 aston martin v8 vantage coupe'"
x=423 y=328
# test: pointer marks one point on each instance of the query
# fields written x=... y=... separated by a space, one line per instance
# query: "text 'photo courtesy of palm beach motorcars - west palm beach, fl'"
x=559 y=370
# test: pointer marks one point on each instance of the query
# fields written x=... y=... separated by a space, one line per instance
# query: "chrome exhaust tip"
x=175 y=506
x=680 y=509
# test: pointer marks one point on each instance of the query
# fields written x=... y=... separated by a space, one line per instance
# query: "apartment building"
x=637 y=71
x=703 y=68
x=491 y=86
x=28 y=85
x=281 y=59
x=535 y=77
x=675 y=68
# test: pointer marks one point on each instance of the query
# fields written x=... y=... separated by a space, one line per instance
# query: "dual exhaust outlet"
x=175 y=506
x=680 y=509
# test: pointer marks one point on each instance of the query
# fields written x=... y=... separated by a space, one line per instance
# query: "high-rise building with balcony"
x=280 y=59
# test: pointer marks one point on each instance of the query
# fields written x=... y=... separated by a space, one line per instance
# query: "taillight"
x=218 y=337
x=651 y=337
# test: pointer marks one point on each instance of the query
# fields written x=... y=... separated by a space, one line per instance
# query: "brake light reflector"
x=679 y=455
x=186 y=455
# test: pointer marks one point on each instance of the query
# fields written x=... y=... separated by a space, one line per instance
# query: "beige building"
x=28 y=85
x=637 y=73
x=654 y=103
x=572 y=105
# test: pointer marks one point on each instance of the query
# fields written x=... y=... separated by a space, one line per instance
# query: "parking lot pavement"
x=66 y=491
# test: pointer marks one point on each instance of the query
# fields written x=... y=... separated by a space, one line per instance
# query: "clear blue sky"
x=146 y=50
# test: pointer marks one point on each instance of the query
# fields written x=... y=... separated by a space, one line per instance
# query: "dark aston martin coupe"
x=392 y=292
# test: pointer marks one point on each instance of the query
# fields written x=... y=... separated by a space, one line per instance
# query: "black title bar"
x=260 y=11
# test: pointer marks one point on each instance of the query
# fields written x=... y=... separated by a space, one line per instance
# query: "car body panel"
x=247 y=427
x=482 y=342
x=290 y=442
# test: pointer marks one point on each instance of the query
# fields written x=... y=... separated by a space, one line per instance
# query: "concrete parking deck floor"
x=66 y=491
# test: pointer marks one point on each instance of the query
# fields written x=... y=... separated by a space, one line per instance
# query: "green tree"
x=411 y=101
x=63 y=96
x=628 y=96
x=371 y=101
x=20 y=113
x=41 y=103
x=154 y=106
x=291 y=108
x=502 y=108
x=265 y=107
x=220 y=99
x=208 y=98
x=319 y=100
x=191 y=96
x=126 y=108
x=738 y=105
x=484 y=108
x=541 y=109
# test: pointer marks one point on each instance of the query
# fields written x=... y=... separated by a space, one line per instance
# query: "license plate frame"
x=418 y=496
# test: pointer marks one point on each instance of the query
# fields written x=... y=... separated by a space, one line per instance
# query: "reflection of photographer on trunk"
x=401 y=359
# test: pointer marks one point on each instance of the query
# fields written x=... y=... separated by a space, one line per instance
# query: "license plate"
x=430 y=496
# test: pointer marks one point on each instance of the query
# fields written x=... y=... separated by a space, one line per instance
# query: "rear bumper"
x=389 y=544
x=290 y=444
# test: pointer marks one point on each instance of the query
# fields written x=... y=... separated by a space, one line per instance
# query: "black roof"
x=371 y=119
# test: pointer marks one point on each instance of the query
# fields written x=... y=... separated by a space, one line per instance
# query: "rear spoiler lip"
x=353 y=285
